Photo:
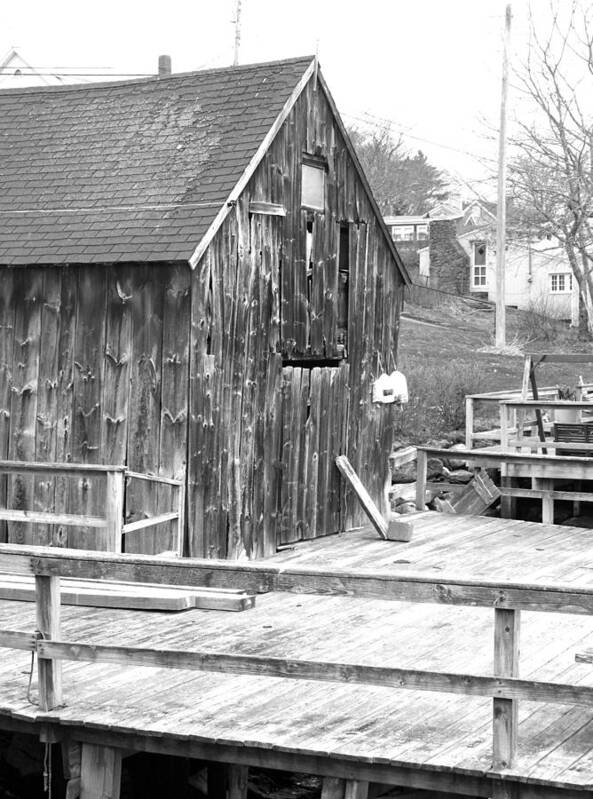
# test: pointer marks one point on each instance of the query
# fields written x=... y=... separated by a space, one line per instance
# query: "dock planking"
x=407 y=737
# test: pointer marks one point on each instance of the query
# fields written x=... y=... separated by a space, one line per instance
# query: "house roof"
x=134 y=170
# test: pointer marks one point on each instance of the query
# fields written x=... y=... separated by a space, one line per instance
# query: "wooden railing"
x=543 y=469
x=109 y=528
x=507 y=599
x=473 y=437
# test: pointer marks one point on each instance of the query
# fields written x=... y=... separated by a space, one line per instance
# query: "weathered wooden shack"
x=195 y=281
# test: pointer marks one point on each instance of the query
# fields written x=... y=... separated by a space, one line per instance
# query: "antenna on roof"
x=237 y=22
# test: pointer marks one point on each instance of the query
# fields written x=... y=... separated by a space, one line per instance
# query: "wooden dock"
x=366 y=660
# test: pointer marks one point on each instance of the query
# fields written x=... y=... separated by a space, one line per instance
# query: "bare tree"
x=402 y=183
x=552 y=171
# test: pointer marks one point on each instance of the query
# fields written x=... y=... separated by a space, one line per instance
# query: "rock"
x=434 y=468
x=460 y=476
x=456 y=463
x=404 y=474
x=406 y=507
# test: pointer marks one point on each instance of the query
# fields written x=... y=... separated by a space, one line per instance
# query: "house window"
x=402 y=232
x=561 y=282
x=422 y=232
x=479 y=277
x=313 y=187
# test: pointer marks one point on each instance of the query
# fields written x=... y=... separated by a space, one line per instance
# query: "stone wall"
x=449 y=263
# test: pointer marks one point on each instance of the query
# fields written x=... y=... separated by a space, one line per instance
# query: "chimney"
x=164 y=65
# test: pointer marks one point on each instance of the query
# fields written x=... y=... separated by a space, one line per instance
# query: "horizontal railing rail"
x=504 y=686
x=111 y=527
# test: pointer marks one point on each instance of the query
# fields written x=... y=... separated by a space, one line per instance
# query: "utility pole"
x=237 y=32
x=501 y=212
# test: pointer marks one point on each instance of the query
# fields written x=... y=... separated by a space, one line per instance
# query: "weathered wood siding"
x=262 y=439
x=94 y=367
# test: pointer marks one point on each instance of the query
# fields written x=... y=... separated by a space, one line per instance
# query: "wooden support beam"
x=49 y=671
x=506 y=664
x=333 y=788
x=545 y=486
x=100 y=772
x=368 y=506
x=238 y=779
x=356 y=789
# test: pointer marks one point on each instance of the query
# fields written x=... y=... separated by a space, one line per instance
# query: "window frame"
x=563 y=286
x=319 y=164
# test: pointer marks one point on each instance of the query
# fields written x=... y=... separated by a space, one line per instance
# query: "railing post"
x=114 y=504
x=181 y=517
x=506 y=664
x=47 y=598
x=421 y=471
x=469 y=422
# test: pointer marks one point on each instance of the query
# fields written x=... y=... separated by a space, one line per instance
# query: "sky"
x=431 y=70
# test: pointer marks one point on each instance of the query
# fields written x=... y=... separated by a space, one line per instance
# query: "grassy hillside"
x=446 y=351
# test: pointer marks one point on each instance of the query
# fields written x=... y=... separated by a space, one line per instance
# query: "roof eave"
x=252 y=166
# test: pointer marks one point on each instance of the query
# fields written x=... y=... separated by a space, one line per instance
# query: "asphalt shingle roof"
x=132 y=171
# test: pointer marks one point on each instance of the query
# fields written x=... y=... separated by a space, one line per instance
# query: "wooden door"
x=314 y=430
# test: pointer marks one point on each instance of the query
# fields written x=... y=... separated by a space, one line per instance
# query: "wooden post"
x=356 y=789
x=501 y=203
x=506 y=664
x=238 y=777
x=421 y=471
x=181 y=518
x=114 y=504
x=47 y=598
x=100 y=772
x=545 y=484
x=469 y=422
x=333 y=788
x=507 y=505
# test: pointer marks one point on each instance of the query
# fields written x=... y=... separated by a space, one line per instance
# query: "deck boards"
x=369 y=724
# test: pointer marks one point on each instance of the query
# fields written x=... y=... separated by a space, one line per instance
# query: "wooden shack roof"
x=139 y=170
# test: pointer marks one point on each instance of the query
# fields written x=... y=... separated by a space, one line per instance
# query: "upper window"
x=479 y=253
x=561 y=282
x=313 y=188
x=422 y=232
x=402 y=232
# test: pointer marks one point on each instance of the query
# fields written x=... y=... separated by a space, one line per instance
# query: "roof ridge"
x=157 y=79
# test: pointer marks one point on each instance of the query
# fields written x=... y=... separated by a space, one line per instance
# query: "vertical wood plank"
x=61 y=536
x=145 y=401
x=87 y=493
x=174 y=396
x=47 y=397
x=116 y=371
x=23 y=406
x=100 y=772
x=506 y=664
x=7 y=318
x=47 y=599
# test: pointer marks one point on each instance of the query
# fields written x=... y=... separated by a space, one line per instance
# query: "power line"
x=378 y=120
